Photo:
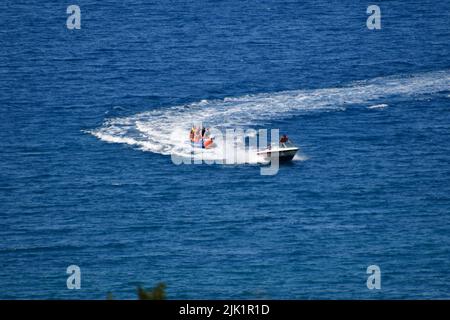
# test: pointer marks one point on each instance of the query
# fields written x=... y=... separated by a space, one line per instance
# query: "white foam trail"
x=378 y=106
x=300 y=157
x=165 y=130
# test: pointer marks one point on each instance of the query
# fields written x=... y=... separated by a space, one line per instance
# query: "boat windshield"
x=287 y=144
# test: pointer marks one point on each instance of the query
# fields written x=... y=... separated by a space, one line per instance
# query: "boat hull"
x=283 y=155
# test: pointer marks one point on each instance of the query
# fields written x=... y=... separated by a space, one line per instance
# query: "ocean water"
x=86 y=175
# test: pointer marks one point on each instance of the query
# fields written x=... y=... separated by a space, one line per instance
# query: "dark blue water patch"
x=372 y=187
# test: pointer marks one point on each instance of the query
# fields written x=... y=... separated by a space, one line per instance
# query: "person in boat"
x=203 y=132
x=201 y=136
x=198 y=135
x=192 y=134
x=283 y=140
x=206 y=134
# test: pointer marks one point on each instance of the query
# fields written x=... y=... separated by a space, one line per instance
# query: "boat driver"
x=284 y=138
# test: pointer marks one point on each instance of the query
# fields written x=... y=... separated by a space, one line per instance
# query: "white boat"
x=284 y=152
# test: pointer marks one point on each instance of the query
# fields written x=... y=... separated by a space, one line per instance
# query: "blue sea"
x=87 y=178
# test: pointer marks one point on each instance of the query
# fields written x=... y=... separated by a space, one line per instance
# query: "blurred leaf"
x=157 y=293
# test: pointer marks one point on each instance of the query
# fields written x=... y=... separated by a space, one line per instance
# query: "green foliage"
x=156 y=293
